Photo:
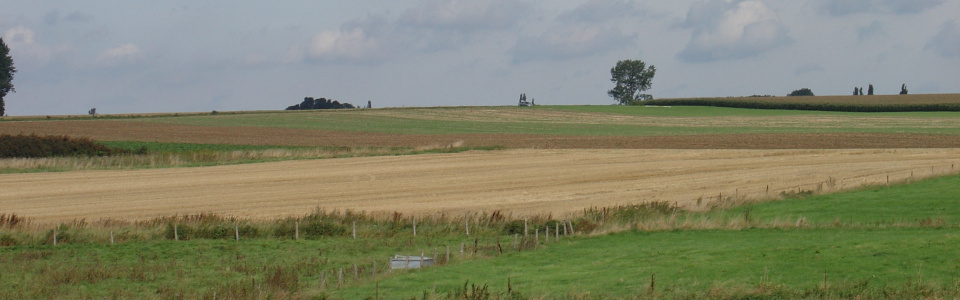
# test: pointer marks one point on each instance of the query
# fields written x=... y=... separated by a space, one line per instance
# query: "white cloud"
x=125 y=53
x=947 y=41
x=22 y=43
x=466 y=15
x=724 y=30
x=569 y=41
x=371 y=39
x=899 y=7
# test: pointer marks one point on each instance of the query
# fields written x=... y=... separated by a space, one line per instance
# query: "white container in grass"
x=410 y=262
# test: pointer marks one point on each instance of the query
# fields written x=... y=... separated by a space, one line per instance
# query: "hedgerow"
x=842 y=107
x=35 y=146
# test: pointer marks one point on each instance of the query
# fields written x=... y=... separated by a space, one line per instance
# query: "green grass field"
x=691 y=263
x=587 y=120
x=882 y=247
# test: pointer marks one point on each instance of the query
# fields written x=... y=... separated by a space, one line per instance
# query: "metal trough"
x=410 y=262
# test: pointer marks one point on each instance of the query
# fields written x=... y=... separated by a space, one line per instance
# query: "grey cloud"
x=807 y=68
x=597 y=11
x=899 y=7
x=875 y=29
x=732 y=30
x=947 y=41
x=77 y=17
x=52 y=17
x=466 y=15
x=569 y=41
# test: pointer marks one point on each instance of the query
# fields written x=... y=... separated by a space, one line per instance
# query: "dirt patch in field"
x=157 y=132
x=520 y=182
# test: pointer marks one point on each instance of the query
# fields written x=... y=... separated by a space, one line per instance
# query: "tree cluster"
x=801 y=92
x=322 y=103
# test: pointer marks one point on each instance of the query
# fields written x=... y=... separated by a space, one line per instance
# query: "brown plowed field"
x=157 y=132
x=521 y=182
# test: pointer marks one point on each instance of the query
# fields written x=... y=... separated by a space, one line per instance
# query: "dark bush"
x=513 y=227
x=321 y=229
x=34 y=146
x=209 y=230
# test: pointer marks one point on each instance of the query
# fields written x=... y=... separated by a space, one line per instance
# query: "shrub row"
x=34 y=146
x=843 y=107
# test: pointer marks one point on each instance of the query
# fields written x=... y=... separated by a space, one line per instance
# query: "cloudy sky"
x=185 y=55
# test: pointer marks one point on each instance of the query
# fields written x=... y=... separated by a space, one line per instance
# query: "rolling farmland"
x=697 y=167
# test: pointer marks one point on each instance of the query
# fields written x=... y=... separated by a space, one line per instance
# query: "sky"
x=195 y=56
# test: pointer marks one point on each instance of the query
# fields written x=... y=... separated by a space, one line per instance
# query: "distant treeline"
x=35 y=146
x=322 y=103
x=825 y=106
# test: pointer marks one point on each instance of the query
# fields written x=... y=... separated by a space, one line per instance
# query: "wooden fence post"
x=296 y=233
x=537 y=241
x=54 y=236
x=354 y=229
x=236 y=231
x=111 y=237
x=176 y=237
x=524 y=227
x=466 y=223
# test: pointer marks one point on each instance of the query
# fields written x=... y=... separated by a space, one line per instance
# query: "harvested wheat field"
x=521 y=182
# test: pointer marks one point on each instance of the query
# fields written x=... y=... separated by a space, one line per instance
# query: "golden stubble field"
x=520 y=182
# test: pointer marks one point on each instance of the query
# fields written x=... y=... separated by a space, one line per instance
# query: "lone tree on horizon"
x=6 y=75
x=631 y=77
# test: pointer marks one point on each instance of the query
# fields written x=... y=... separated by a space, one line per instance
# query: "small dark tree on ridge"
x=801 y=92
